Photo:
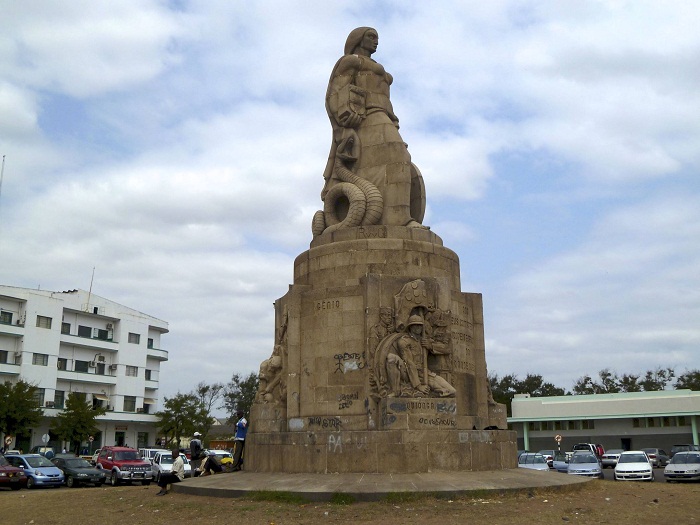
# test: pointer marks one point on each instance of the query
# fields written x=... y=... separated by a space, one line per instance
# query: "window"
x=100 y=369
x=575 y=425
x=547 y=425
x=681 y=421
x=40 y=359
x=59 y=398
x=635 y=422
x=65 y=328
x=3 y=356
x=103 y=335
x=134 y=338
x=150 y=342
x=142 y=439
x=84 y=331
x=43 y=322
x=39 y=396
x=62 y=363
x=148 y=374
x=132 y=371
x=129 y=404
x=6 y=317
x=82 y=366
x=588 y=424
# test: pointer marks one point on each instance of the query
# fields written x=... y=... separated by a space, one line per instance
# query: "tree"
x=504 y=389
x=209 y=394
x=77 y=421
x=690 y=380
x=182 y=415
x=239 y=394
x=19 y=412
x=655 y=380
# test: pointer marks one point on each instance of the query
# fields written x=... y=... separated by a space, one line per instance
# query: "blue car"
x=39 y=470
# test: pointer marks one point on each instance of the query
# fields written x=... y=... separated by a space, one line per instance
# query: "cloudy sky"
x=177 y=147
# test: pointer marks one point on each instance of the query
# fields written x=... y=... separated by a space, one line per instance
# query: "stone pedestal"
x=326 y=402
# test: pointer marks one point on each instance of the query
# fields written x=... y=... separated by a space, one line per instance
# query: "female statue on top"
x=369 y=177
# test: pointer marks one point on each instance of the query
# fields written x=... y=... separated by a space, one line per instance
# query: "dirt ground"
x=596 y=502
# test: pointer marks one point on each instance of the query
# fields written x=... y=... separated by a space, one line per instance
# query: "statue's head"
x=356 y=37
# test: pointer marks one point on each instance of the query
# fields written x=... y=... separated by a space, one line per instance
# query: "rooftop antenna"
x=2 y=173
x=87 y=306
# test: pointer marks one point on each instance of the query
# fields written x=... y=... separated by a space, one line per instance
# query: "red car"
x=10 y=476
x=124 y=465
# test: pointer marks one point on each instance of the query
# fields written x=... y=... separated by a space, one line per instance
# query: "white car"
x=684 y=466
x=533 y=461
x=163 y=462
x=610 y=457
x=634 y=465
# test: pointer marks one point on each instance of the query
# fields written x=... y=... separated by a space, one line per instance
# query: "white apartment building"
x=77 y=343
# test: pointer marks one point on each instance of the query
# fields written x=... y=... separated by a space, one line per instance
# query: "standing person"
x=176 y=475
x=196 y=453
x=239 y=440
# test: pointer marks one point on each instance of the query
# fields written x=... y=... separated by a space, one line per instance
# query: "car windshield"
x=77 y=463
x=166 y=459
x=126 y=455
x=3 y=461
x=560 y=456
x=685 y=458
x=39 y=461
x=633 y=458
x=583 y=458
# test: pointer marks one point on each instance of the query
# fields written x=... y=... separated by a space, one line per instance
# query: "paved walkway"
x=372 y=487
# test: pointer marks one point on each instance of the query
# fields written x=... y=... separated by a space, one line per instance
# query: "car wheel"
x=70 y=482
x=30 y=483
x=114 y=480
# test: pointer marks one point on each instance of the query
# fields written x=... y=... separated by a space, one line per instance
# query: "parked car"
x=595 y=448
x=610 y=457
x=682 y=448
x=560 y=463
x=684 y=466
x=39 y=470
x=150 y=453
x=79 y=471
x=94 y=456
x=548 y=456
x=532 y=460
x=123 y=464
x=48 y=452
x=163 y=462
x=11 y=476
x=634 y=465
x=584 y=463
x=658 y=457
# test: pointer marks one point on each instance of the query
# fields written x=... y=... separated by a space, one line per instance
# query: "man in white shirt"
x=176 y=475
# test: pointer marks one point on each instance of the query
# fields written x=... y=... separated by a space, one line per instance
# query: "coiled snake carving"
x=366 y=203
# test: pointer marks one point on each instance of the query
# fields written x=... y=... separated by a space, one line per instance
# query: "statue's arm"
x=344 y=74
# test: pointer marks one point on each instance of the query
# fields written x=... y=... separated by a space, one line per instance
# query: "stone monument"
x=378 y=363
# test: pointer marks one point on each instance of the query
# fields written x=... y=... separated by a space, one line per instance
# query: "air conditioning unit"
x=112 y=367
x=92 y=364
x=110 y=326
x=50 y=404
x=101 y=358
x=140 y=410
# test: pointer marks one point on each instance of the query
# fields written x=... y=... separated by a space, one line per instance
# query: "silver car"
x=684 y=466
x=533 y=461
x=585 y=464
